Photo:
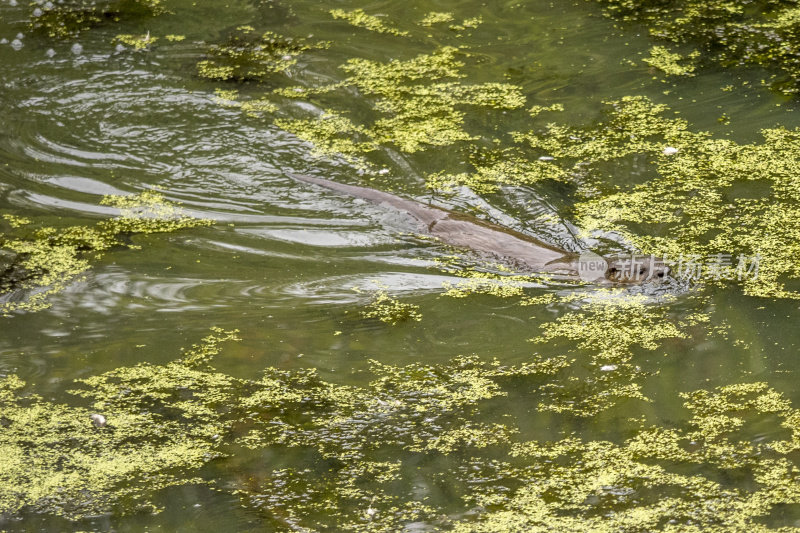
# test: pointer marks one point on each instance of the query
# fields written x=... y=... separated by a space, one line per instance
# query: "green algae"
x=166 y=421
x=390 y=310
x=730 y=33
x=602 y=340
x=643 y=484
x=251 y=56
x=671 y=63
x=354 y=499
x=495 y=167
x=70 y=18
x=423 y=409
x=417 y=105
x=15 y=221
x=688 y=210
x=360 y=19
x=467 y=24
x=54 y=461
x=436 y=17
x=137 y=42
x=426 y=412
x=692 y=196
x=47 y=259
x=333 y=135
x=702 y=472
x=502 y=282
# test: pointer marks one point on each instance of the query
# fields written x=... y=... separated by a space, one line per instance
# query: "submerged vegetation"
x=43 y=260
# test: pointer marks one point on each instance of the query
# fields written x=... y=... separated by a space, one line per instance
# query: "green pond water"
x=514 y=404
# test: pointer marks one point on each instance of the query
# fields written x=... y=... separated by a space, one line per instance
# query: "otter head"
x=636 y=269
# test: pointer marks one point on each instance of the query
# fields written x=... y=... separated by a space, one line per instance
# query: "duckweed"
x=706 y=475
x=417 y=103
x=332 y=134
x=670 y=63
x=701 y=472
x=694 y=206
x=603 y=338
x=689 y=208
x=390 y=310
x=470 y=23
x=137 y=42
x=503 y=283
x=69 y=18
x=360 y=19
x=248 y=55
x=726 y=32
x=166 y=421
x=54 y=461
x=436 y=17
x=47 y=259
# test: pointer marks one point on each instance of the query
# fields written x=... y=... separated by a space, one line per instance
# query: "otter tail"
x=421 y=212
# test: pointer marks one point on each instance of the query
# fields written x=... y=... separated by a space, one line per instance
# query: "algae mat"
x=190 y=340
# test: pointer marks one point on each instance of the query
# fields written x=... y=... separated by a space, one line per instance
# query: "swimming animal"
x=511 y=247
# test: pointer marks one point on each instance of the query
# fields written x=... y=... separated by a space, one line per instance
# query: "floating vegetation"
x=418 y=105
x=711 y=474
x=360 y=19
x=252 y=56
x=503 y=284
x=46 y=259
x=726 y=32
x=493 y=167
x=696 y=206
x=55 y=461
x=449 y=446
x=467 y=24
x=671 y=63
x=427 y=410
x=137 y=42
x=69 y=18
x=436 y=17
x=690 y=207
x=390 y=310
x=332 y=134
x=163 y=422
x=604 y=335
x=707 y=471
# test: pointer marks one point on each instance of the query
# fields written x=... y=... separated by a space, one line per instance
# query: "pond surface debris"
x=164 y=422
x=43 y=260
x=356 y=455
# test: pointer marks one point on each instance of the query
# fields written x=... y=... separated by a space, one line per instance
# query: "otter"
x=511 y=247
